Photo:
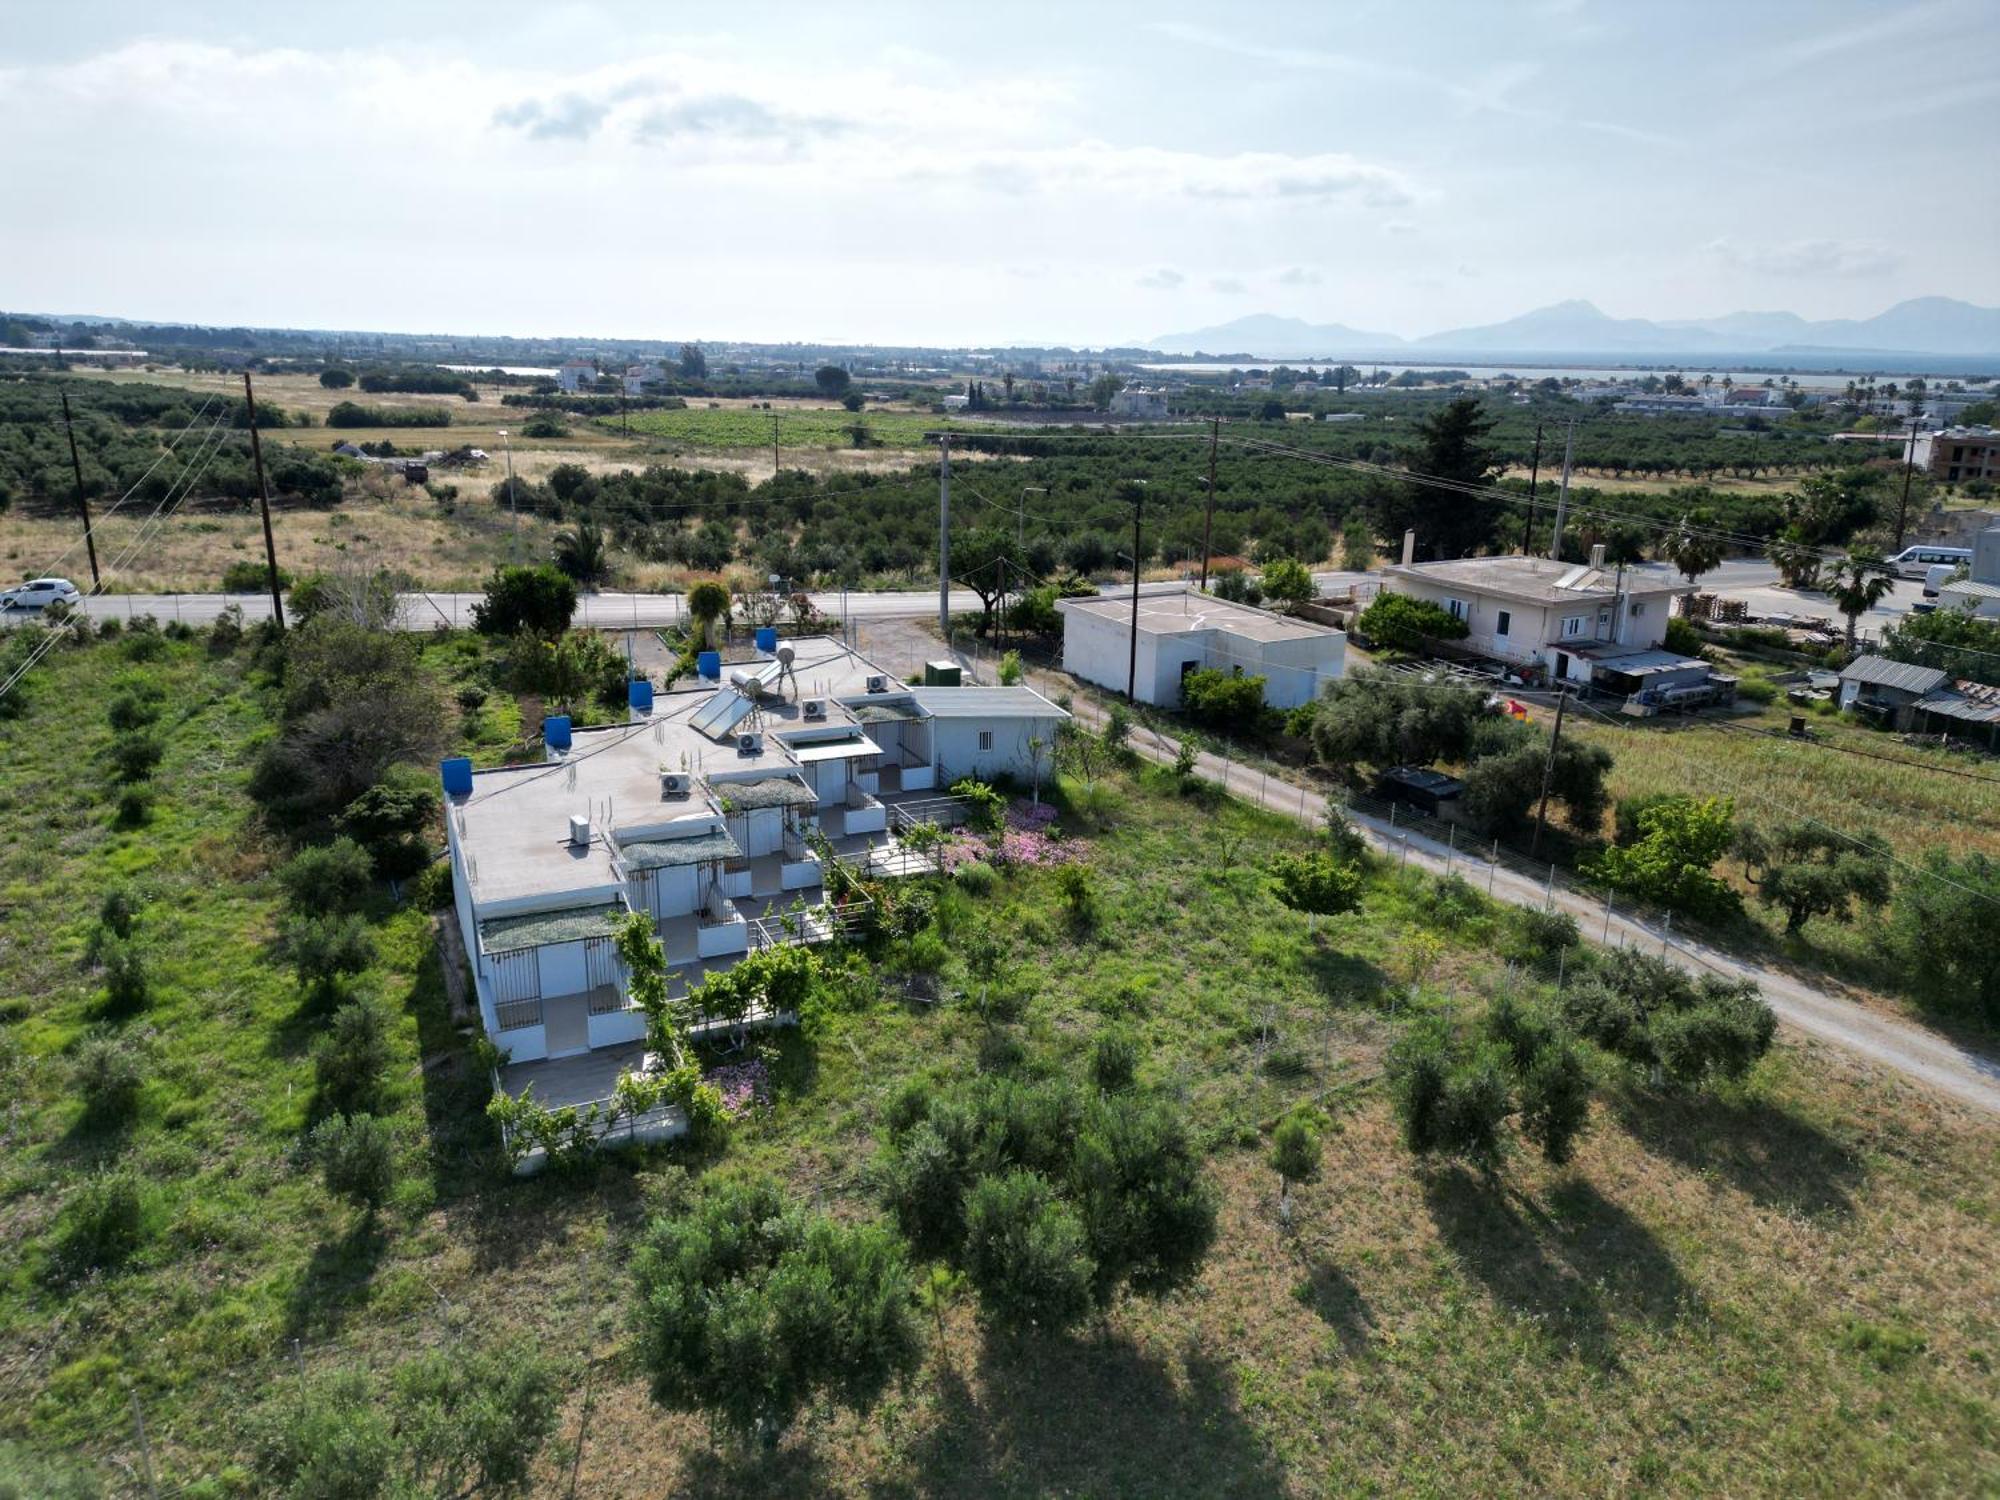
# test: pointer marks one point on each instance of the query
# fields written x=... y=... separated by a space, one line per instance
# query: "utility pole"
x=1562 y=495
x=944 y=535
x=774 y=447
x=1534 y=479
x=1548 y=771
x=264 y=506
x=83 y=503
x=1902 y=506
x=1208 y=511
x=513 y=497
x=1132 y=661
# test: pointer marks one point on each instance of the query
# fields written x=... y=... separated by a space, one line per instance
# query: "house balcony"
x=720 y=928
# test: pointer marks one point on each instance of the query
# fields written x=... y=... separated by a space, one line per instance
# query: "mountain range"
x=1923 y=325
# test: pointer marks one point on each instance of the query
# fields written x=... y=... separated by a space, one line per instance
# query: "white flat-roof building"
x=1143 y=402
x=1182 y=630
x=1537 y=613
x=701 y=812
x=575 y=374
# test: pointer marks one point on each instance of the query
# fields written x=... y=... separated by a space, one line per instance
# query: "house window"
x=986 y=739
x=1574 y=625
x=1506 y=621
x=1458 y=609
x=1638 y=609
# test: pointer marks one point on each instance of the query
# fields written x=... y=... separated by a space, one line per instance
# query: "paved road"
x=425 y=611
x=1756 y=582
x=1966 y=1076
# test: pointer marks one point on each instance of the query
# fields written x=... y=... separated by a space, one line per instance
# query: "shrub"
x=356 y=1158
x=1540 y=934
x=471 y=697
x=1149 y=1213
x=135 y=806
x=1403 y=623
x=476 y=1420
x=1010 y=668
x=544 y=425
x=1317 y=883
x=1227 y=702
x=1078 y=893
x=976 y=878
x=108 y=1073
x=1026 y=1253
x=27 y=1475
x=247 y=577
x=988 y=810
x=749 y=1308
x=1644 y=1009
x=1450 y=1099
x=135 y=754
x=390 y=819
x=323 y=950
x=1117 y=726
x=1684 y=640
x=328 y=879
x=1672 y=862
x=126 y=986
x=118 y=911
x=1757 y=690
x=349 y=1061
x=103 y=1224
x=1295 y=1150
x=130 y=710
x=1186 y=757
x=1114 y=1061
x=327 y=1437
x=540 y=599
x=1630 y=809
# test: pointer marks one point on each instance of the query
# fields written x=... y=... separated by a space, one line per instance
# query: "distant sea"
x=1830 y=370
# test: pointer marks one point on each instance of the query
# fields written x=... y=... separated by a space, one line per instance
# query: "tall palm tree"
x=1856 y=584
x=580 y=552
x=707 y=602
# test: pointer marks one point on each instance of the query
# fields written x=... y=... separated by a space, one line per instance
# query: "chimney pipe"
x=1409 y=547
x=1597 y=554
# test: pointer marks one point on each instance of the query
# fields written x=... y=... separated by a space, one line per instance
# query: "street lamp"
x=513 y=499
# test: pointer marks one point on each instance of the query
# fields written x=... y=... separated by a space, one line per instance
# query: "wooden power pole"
x=264 y=506
x=83 y=501
x=1548 y=771
x=1534 y=478
x=944 y=537
x=1132 y=661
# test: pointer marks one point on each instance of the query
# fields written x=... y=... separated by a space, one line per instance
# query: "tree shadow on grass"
x=1344 y=977
x=1770 y=1155
x=1092 y=1416
x=1331 y=1294
x=1575 y=1264
x=729 y=1470
x=336 y=1279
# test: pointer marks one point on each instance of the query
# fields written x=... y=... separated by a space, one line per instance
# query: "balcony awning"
x=535 y=929
x=850 y=749
x=657 y=854
x=765 y=791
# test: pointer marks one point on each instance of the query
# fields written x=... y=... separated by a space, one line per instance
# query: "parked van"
x=1914 y=562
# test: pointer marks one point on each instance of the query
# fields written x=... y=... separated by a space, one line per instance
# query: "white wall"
x=1294 y=669
x=561 y=968
x=959 y=753
x=1096 y=649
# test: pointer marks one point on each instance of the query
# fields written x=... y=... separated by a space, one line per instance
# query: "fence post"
x=1607 y=918
x=1406 y=853
x=1667 y=938
x=145 y=1448
x=1450 y=849
x=1392 y=815
x=1562 y=966
x=1549 y=890
x=1493 y=869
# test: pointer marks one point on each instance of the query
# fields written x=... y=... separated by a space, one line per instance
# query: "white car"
x=40 y=593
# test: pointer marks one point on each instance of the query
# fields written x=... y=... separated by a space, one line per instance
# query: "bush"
x=1295 y=1149
x=129 y=710
x=1672 y=862
x=323 y=950
x=749 y=1308
x=126 y=985
x=475 y=1421
x=1010 y=668
x=356 y=1158
x=349 y=1061
x=1078 y=893
x=27 y=1475
x=1026 y=1253
x=135 y=806
x=135 y=755
x=1114 y=1061
x=1757 y=690
x=118 y=912
x=1227 y=702
x=1646 y=1010
x=109 y=1074
x=1451 y=1100
x=354 y=414
x=1402 y=623
x=328 y=879
x=1539 y=933
x=103 y=1224
x=1317 y=883
x=976 y=878
x=544 y=425
x=1682 y=638
x=246 y=577
x=326 y=1437
x=390 y=820
x=540 y=599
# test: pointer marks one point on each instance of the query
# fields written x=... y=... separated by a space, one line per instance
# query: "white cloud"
x=1300 y=276
x=1165 y=279
x=1229 y=286
x=1399 y=226
x=1840 y=258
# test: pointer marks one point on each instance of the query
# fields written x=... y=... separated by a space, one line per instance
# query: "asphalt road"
x=1756 y=582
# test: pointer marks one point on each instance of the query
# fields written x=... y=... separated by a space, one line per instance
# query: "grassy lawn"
x=1787 y=1288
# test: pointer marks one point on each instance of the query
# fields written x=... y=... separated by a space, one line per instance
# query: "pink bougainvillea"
x=1028 y=839
x=744 y=1086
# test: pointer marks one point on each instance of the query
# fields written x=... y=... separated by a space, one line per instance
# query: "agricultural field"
x=1782 y=1286
x=798 y=427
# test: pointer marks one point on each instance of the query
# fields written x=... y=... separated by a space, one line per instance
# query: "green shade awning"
x=658 y=854
x=535 y=929
x=769 y=791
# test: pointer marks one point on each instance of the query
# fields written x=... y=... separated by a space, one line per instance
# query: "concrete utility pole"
x=1534 y=478
x=1132 y=661
x=264 y=506
x=1548 y=771
x=774 y=445
x=513 y=497
x=83 y=501
x=1562 y=495
x=944 y=536
x=1208 y=511
x=1909 y=468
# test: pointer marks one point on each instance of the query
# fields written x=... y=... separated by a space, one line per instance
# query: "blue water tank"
x=555 y=731
x=639 y=693
x=767 y=638
x=709 y=663
x=457 y=774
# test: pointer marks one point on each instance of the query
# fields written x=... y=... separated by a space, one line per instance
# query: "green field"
x=1784 y=1289
x=699 y=427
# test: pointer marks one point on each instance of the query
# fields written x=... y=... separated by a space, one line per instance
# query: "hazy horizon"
x=1059 y=176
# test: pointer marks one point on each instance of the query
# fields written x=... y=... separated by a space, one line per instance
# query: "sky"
x=1018 y=174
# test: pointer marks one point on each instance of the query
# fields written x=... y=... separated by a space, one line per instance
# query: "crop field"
x=1786 y=1287
x=742 y=427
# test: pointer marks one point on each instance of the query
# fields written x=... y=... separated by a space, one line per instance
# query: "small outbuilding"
x=1182 y=630
x=1875 y=684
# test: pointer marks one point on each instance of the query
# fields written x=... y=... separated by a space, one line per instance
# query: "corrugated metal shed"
x=1879 y=671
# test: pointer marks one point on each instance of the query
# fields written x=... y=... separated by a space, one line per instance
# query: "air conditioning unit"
x=815 y=708
x=579 y=829
x=750 y=742
x=878 y=683
x=675 y=783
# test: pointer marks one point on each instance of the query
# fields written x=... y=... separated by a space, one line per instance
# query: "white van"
x=1915 y=562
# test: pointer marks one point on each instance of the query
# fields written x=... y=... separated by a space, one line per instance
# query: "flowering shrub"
x=743 y=1086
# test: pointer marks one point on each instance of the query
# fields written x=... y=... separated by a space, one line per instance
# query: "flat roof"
x=986 y=703
x=848 y=747
x=1538 y=580
x=1639 y=661
x=1181 y=611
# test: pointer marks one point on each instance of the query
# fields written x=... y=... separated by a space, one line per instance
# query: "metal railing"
x=512 y=1015
x=946 y=812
